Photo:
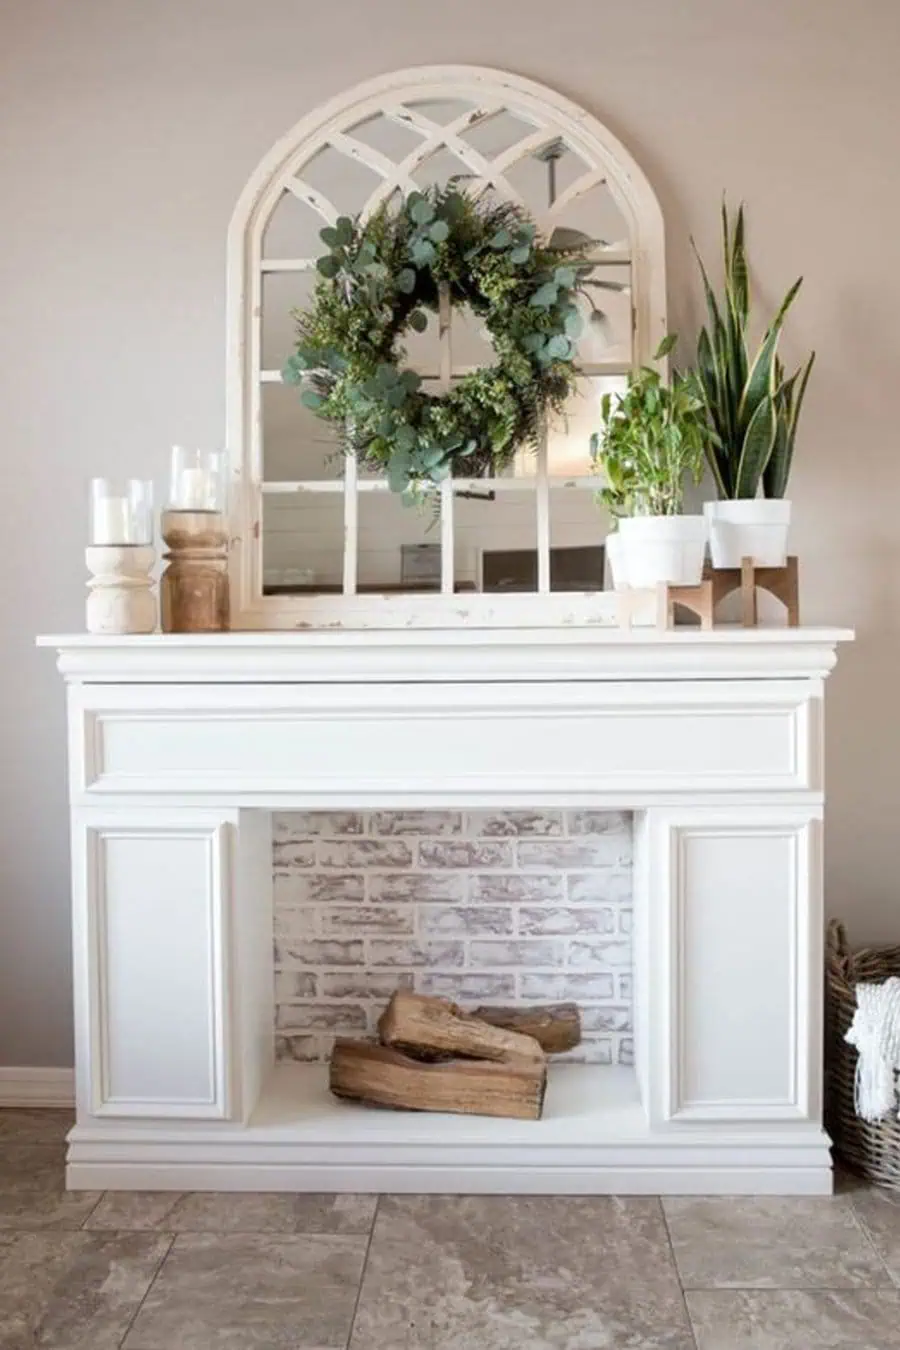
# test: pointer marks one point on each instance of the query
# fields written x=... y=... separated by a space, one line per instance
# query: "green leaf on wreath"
x=564 y=276
x=406 y=281
x=439 y=231
x=329 y=236
x=418 y=320
x=501 y=239
x=558 y=347
x=344 y=227
x=574 y=323
x=310 y=399
x=520 y=254
x=405 y=438
x=544 y=296
x=422 y=252
x=411 y=379
x=422 y=211
x=396 y=396
x=328 y=266
x=398 y=473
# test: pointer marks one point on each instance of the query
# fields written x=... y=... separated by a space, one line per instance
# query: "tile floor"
x=127 y=1271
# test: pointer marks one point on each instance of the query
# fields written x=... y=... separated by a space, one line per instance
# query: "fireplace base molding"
x=180 y=748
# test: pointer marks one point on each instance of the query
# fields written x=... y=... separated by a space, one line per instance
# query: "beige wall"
x=127 y=130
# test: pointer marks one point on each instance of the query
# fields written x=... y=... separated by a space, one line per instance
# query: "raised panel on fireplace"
x=354 y=742
x=153 y=899
x=732 y=946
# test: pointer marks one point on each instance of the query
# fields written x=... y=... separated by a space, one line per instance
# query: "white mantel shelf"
x=180 y=748
x=430 y=655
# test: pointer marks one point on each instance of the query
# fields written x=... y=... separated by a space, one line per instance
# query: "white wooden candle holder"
x=120 y=591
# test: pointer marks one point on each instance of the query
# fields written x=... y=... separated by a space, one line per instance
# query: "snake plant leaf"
x=736 y=271
x=778 y=469
x=665 y=347
x=761 y=375
x=759 y=441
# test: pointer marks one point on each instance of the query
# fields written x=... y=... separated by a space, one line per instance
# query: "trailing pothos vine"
x=378 y=280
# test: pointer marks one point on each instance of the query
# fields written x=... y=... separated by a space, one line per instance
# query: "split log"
x=555 y=1026
x=381 y=1076
x=422 y=1025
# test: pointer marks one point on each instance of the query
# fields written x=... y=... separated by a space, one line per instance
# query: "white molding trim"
x=37 y=1087
x=437 y=655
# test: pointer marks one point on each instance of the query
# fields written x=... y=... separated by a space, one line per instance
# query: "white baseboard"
x=37 y=1087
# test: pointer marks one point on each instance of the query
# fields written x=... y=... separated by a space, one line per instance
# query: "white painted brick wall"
x=479 y=906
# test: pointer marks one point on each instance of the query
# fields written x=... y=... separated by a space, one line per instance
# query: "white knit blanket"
x=875 y=1031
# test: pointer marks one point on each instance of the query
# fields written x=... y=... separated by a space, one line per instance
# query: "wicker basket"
x=873 y=1150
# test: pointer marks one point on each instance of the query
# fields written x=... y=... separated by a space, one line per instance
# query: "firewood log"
x=381 y=1076
x=435 y=1026
x=555 y=1026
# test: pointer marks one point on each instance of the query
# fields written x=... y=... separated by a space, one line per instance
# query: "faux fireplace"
x=181 y=750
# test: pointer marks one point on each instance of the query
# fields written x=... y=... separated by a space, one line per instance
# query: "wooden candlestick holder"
x=120 y=591
x=194 y=585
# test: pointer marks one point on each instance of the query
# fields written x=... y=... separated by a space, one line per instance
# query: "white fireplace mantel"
x=179 y=747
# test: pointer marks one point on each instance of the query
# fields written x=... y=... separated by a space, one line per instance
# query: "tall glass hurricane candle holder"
x=120 y=557
x=194 y=587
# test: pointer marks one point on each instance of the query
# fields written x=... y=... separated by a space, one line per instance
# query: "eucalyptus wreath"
x=378 y=280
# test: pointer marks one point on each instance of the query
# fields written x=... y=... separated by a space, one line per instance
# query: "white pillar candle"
x=196 y=491
x=112 y=521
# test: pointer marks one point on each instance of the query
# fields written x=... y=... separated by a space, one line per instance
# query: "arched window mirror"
x=318 y=544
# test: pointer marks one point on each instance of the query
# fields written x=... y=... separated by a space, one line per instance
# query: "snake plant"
x=751 y=406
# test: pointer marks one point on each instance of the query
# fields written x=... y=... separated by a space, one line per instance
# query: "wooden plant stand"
x=697 y=600
x=782 y=582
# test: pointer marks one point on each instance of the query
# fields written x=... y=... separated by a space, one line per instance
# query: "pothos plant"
x=378 y=280
x=653 y=440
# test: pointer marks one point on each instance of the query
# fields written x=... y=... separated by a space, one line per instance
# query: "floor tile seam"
x=791 y=1288
x=82 y=1227
x=362 y=1273
x=863 y=1230
x=681 y=1289
x=146 y=1294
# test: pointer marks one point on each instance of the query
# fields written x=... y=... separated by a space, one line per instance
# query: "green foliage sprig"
x=378 y=280
x=654 y=438
x=753 y=408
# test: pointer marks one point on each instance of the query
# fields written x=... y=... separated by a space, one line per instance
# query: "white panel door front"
x=734 y=928
x=155 y=906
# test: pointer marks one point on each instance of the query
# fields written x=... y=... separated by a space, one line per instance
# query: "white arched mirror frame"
x=396 y=95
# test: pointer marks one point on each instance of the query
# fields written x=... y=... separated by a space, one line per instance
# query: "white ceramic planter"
x=658 y=549
x=616 y=557
x=754 y=528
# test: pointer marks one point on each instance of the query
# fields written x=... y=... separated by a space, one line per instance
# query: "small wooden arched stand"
x=782 y=582
x=701 y=600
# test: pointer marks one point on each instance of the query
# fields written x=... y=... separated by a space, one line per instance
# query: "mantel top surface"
x=725 y=635
x=425 y=655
